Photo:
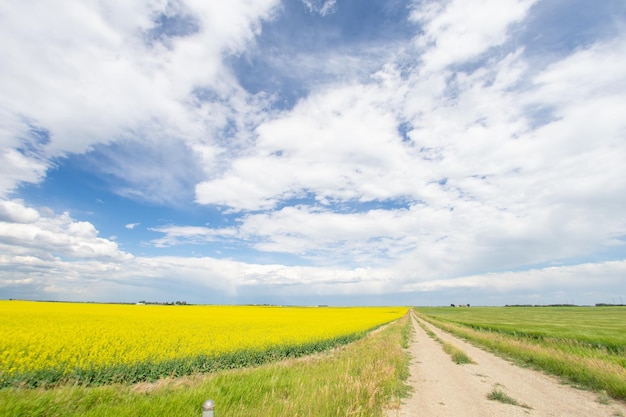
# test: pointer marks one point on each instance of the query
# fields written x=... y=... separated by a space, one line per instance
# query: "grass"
x=497 y=394
x=565 y=346
x=600 y=327
x=358 y=379
x=458 y=356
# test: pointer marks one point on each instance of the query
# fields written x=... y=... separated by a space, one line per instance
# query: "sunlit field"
x=44 y=344
x=585 y=345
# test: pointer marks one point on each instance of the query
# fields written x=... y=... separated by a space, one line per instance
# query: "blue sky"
x=314 y=152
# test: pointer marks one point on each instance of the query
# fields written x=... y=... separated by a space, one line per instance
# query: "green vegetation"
x=603 y=327
x=498 y=395
x=458 y=356
x=358 y=379
x=584 y=345
x=151 y=371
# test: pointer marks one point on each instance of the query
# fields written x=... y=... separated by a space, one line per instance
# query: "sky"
x=303 y=152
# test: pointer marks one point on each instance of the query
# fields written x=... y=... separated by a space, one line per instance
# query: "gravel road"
x=443 y=388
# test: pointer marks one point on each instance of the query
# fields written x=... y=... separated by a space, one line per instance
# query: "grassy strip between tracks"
x=582 y=364
x=458 y=356
x=359 y=379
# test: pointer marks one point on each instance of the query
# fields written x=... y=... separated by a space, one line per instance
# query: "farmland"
x=584 y=345
x=358 y=379
x=47 y=344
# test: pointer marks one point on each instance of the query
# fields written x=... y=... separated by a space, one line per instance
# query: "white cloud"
x=460 y=30
x=322 y=7
x=15 y=211
x=208 y=280
x=487 y=186
x=189 y=234
x=586 y=283
x=16 y=168
x=27 y=232
x=340 y=144
x=455 y=158
x=93 y=74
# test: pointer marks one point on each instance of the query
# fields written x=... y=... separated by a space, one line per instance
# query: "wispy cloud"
x=322 y=7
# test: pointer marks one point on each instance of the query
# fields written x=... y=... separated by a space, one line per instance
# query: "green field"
x=584 y=345
x=600 y=326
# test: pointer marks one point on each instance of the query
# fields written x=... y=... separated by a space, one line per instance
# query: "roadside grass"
x=588 y=364
x=359 y=379
x=458 y=356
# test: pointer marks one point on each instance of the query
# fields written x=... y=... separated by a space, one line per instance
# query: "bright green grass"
x=597 y=326
x=359 y=379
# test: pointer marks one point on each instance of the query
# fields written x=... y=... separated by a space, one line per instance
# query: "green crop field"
x=602 y=326
x=584 y=345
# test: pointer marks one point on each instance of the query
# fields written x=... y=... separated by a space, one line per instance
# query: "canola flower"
x=42 y=343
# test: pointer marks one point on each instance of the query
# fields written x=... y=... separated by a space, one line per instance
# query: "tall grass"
x=583 y=363
x=358 y=379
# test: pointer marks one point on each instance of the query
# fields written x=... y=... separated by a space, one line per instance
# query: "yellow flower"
x=38 y=336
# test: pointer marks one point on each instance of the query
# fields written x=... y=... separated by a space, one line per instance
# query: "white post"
x=207 y=408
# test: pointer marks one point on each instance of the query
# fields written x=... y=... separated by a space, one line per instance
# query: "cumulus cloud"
x=91 y=76
x=15 y=211
x=424 y=169
x=484 y=180
x=340 y=144
x=25 y=231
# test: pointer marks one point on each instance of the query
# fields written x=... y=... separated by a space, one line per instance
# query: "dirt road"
x=443 y=388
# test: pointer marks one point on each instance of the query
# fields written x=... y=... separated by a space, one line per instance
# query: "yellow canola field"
x=68 y=336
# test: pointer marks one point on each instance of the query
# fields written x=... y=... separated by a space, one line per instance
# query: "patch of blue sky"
x=404 y=129
x=36 y=137
x=556 y=28
x=540 y=115
x=88 y=195
x=176 y=24
x=135 y=169
x=290 y=56
x=343 y=206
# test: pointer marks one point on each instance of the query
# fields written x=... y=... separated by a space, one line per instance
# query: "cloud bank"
x=464 y=158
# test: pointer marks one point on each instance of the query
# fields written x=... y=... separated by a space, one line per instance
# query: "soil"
x=443 y=388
